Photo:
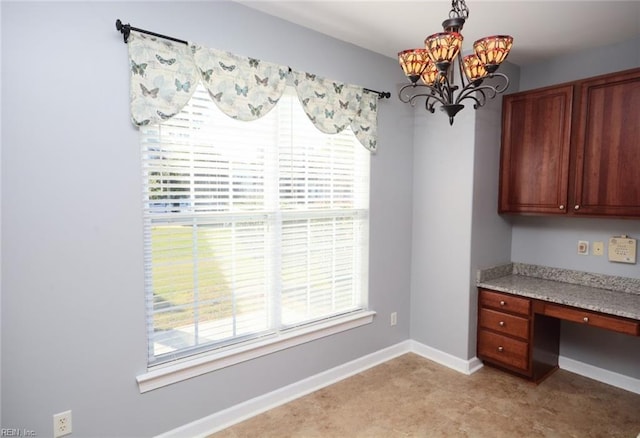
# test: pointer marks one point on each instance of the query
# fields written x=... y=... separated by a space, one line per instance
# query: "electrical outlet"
x=394 y=318
x=62 y=424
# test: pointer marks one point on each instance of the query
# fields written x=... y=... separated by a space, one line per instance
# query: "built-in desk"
x=519 y=314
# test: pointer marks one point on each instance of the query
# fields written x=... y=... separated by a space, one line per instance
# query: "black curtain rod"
x=125 y=30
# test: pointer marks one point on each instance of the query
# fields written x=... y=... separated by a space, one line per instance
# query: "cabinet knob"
x=501 y=323
x=585 y=319
x=502 y=303
x=576 y=207
x=561 y=207
x=500 y=349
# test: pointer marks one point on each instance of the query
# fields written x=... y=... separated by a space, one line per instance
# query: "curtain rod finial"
x=125 y=29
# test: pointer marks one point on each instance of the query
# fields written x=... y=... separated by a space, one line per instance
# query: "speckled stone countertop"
x=602 y=293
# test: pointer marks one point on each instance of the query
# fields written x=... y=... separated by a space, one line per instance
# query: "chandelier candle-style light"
x=436 y=63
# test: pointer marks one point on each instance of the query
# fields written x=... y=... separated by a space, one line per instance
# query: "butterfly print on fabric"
x=272 y=101
x=146 y=92
x=216 y=97
x=320 y=95
x=206 y=75
x=338 y=87
x=227 y=67
x=145 y=122
x=254 y=62
x=310 y=76
x=242 y=90
x=138 y=69
x=329 y=114
x=344 y=105
x=255 y=110
x=264 y=81
x=164 y=116
x=165 y=61
x=183 y=86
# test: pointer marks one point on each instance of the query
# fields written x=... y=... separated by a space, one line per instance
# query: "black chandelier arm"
x=445 y=90
x=469 y=90
x=479 y=101
x=435 y=94
x=430 y=106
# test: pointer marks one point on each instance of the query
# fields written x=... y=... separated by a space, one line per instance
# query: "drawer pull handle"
x=500 y=349
x=502 y=303
x=501 y=323
x=585 y=319
x=561 y=207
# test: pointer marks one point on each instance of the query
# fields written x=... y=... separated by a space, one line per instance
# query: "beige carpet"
x=413 y=397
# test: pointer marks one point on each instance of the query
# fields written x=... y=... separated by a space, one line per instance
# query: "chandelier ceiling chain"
x=434 y=66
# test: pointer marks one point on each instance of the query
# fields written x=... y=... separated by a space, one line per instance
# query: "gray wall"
x=73 y=334
x=553 y=241
x=442 y=214
x=456 y=228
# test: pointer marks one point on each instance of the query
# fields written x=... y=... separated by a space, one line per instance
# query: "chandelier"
x=436 y=63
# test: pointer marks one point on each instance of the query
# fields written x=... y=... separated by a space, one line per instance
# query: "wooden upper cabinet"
x=573 y=148
x=607 y=135
x=536 y=136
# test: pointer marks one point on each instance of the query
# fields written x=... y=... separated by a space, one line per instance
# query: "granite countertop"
x=602 y=293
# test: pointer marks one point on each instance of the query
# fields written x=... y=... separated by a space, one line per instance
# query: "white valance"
x=164 y=76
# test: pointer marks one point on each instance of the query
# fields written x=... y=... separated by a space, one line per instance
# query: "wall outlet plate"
x=583 y=247
x=598 y=248
x=62 y=425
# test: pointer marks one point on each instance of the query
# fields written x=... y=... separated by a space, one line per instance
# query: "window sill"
x=164 y=375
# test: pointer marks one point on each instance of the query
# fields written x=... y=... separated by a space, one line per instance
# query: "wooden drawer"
x=505 y=302
x=504 y=323
x=503 y=350
x=609 y=322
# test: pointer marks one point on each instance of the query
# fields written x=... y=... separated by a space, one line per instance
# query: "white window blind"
x=251 y=228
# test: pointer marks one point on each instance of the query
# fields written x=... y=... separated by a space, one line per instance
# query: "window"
x=252 y=229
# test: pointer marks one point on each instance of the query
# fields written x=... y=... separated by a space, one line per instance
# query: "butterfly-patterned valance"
x=164 y=76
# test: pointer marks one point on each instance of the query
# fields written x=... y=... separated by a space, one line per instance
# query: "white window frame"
x=187 y=367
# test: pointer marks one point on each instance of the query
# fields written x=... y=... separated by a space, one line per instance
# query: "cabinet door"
x=607 y=179
x=534 y=160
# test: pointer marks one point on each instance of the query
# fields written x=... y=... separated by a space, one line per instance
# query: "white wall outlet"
x=62 y=424
x=394 y=318
x=598 y=248
x=583 y=247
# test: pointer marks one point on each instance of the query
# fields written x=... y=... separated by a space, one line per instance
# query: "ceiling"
x=541 y=29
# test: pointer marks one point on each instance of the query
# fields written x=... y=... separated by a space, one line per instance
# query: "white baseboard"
x=600 y=374
x=243 y=411
x=455 y=363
